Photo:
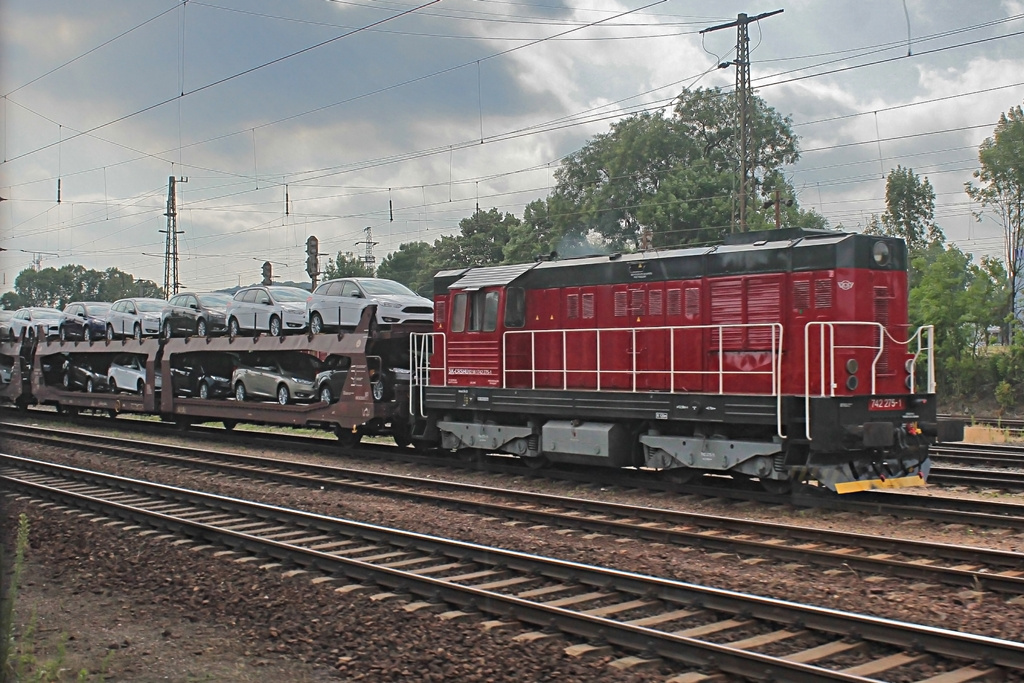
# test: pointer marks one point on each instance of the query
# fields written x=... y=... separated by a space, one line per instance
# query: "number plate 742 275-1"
x=886 y=404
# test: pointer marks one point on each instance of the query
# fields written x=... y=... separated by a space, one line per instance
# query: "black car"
x=331 y=380
x=195 y=313
x=86 y=320
x=80 y=374
x=202 y=375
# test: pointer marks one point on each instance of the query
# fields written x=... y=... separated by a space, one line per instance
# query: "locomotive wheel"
x=777 y=487
x=537 y=463
x=681 y=475
x=229 y=425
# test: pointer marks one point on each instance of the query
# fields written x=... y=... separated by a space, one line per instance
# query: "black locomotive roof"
x=768 y=251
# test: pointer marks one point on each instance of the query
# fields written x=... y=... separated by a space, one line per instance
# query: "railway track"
x=917 y=560
x=695 y=626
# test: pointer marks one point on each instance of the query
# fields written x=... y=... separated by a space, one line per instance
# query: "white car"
x=128 y=373
x=274 y=309
x=339 y=303
x=34 y=320
x=136 y=317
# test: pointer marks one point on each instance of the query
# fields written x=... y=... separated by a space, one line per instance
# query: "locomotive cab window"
x=515 y=307
x=481 y=309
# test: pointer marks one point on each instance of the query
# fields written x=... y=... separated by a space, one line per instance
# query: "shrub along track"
x=689 y=625
x=969 y=566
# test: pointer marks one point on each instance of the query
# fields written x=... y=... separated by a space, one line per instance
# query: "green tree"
x=675 y=175
x=1000 y=189
x=910 y=209
x=411 y=265
x=58 y=287
x=345 y=265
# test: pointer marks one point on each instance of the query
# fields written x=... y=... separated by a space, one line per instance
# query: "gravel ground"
x=141 y=608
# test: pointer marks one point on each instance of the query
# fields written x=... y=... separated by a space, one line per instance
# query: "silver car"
x=282 y=377
x=136 y=317
x=339 y=304
x=267 y=309
x=34 y=320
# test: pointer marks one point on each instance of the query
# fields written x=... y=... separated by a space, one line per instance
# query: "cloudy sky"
x=402 y=117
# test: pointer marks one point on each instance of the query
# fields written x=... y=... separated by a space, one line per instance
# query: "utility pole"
x=171 y=283
x=368 y=260
x=742 y=64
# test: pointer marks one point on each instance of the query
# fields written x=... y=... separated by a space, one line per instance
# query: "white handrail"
x=827 y=358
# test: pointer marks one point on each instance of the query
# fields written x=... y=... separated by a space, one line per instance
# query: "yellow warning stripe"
x=868 y=484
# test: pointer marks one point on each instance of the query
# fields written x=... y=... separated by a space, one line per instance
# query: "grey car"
x=283 y=377
x=274 y=309
x=136 y=317
x=338 y=304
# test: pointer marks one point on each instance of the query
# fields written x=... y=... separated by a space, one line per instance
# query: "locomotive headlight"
x=852 y=366
x=909 y=365
x=880 y=252
x=851 y=382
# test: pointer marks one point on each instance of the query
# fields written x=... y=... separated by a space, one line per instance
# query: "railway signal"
x=268 y=274
x=312 y=258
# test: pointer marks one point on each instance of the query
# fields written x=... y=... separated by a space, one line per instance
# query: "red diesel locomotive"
x=783 y=355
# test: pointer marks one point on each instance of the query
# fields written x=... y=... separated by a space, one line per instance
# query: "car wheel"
x=378 y=390
x=275 y=326
x=137 y=332
x=201 y=328
x=113 y=386
x=325 y=394
x=87 y=335
x=66 y=380
x=283 y=397
x=168 y=333
x=110 y=333
x=140 y=387
x=239 y=392
x=233 y=328
x=89 y=386
x=316 y=324
x=204 y=390
x=63 y=334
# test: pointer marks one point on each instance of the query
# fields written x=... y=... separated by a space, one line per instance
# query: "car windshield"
x=303 y=363
x=45 y=313
x=150 y=306
x=289 y=294
x=214 y=300
x=97 y=309
x=377 y=286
